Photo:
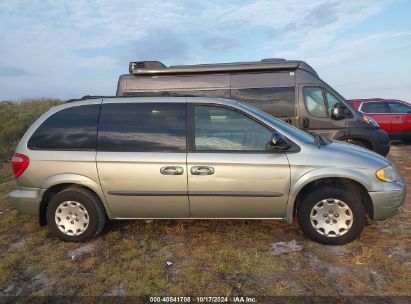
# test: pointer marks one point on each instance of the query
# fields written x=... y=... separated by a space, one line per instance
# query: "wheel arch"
x=58 y=183
x=305 y=184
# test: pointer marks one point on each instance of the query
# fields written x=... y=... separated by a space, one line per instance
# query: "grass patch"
x=16 y=118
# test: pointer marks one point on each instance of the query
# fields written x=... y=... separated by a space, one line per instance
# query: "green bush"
x=15 y=118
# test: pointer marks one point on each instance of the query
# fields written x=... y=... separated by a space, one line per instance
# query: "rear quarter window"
x=74 y=128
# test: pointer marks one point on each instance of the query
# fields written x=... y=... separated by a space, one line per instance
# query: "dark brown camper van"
x=288 y=89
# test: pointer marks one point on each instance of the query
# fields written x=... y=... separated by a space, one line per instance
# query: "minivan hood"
x=364 y=156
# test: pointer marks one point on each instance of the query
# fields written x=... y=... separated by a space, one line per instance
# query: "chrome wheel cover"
x=72 y=218
x=331 y=217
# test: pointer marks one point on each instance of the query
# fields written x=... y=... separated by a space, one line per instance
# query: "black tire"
x=320 y=193
x=95 y=209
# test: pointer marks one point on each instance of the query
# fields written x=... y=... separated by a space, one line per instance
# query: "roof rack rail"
x=85 y=97
x=273 y=60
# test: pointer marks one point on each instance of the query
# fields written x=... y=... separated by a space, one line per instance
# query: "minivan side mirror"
x=339 y=111
x=278 y=142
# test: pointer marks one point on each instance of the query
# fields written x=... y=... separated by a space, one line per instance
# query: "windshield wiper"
x=317 y=139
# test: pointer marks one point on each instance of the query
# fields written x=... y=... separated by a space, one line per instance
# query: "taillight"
x=19 y=162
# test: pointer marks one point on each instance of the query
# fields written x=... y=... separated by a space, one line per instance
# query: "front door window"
x=332 y=101
x=222 y=129
x=315 y=102
x=399 y=108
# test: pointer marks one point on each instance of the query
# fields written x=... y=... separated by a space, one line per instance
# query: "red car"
x=393 y=116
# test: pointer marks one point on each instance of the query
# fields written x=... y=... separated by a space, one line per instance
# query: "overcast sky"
x=68 y=49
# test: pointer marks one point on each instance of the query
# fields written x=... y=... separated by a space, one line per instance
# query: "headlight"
x=370 y=121
x=387 y=174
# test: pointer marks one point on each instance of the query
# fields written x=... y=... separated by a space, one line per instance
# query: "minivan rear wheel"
x=75 y=215
x=331 y=216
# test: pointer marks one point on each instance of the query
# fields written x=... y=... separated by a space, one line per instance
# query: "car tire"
x=343 y=210
x=75 y=215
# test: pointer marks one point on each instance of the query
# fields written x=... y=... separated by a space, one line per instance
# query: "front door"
x=141 y=159
x=315 y=108
x=230 y=173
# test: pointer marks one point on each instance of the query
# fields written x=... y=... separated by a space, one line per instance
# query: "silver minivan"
x=87 y=161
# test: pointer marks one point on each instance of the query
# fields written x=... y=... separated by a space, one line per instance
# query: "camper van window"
x=332 y=101
x=278 y=102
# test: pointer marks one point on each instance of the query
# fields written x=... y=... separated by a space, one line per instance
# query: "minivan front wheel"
x=331 y=215
x=75 y=215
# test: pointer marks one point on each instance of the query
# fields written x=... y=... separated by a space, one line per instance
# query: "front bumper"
x=27 y=200
x=388 y=203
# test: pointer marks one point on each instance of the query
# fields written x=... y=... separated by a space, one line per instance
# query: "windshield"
x=293 y=131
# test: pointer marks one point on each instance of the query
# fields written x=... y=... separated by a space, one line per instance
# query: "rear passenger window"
x=73 y=128
x=373 y=107
x=279 y=102
x=142 y=127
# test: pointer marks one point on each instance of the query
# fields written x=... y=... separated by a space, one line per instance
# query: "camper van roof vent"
x=145 y=65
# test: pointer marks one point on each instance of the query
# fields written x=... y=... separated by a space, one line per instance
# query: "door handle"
x=202 y=170
x=397 y=117
x=172 y=170
x=306 y=123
